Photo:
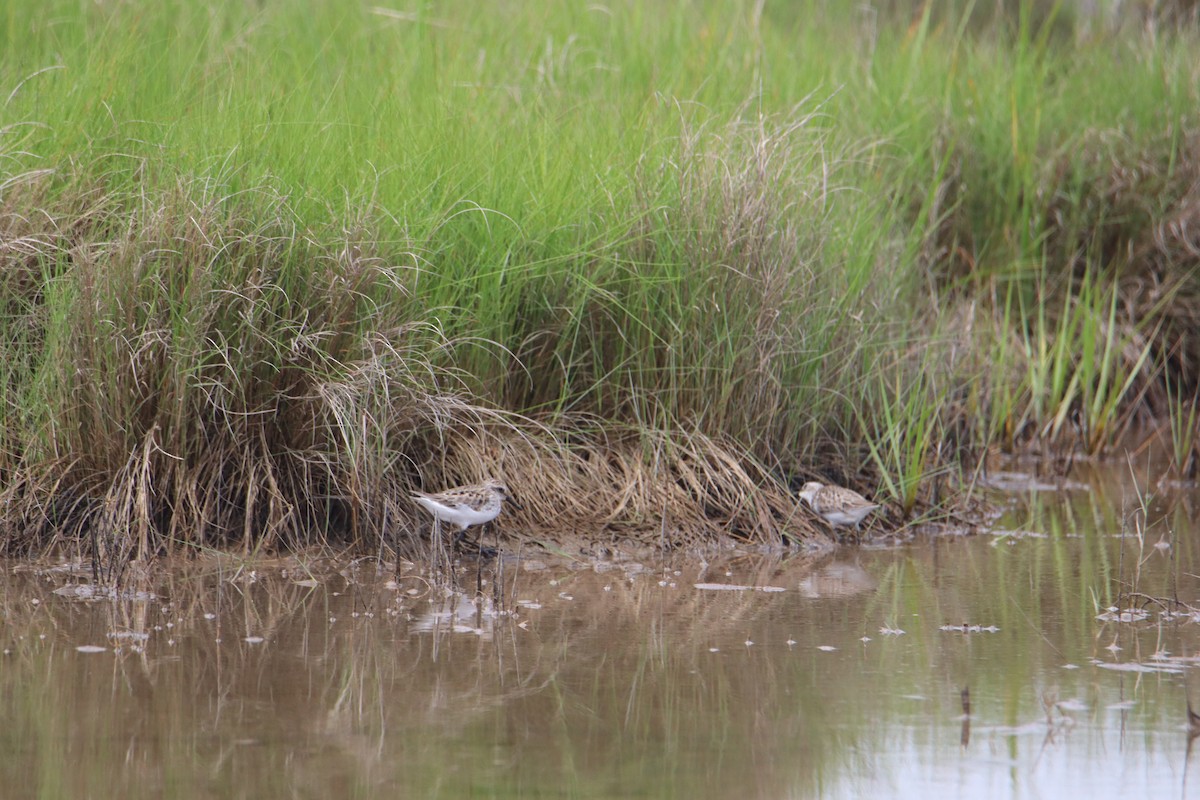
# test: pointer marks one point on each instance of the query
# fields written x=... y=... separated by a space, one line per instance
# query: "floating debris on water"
x=1011 y=481
x=1134 y=666
x=1113 y=614
x=1012 y=536
x=1192 y=660
x=967 y=628
x=736 y=587
x=87 y=591
x=1074 y=704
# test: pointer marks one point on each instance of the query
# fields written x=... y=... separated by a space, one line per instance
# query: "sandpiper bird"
x=465 y=506
x=839 y=506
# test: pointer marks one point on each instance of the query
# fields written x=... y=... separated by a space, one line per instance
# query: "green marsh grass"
x=266 y=269
x=1082 y=364
x=1183 y=425
x=904 y=437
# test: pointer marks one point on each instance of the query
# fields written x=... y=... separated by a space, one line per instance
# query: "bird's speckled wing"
x=471 y=497
x=845 y=500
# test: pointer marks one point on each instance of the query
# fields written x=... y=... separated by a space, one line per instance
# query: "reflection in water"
x=964 y=737
x=1027 y=663
x=457 y=612
x=836 y=579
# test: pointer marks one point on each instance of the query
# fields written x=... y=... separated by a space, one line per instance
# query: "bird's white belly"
x=462 y=516
x=848 y=517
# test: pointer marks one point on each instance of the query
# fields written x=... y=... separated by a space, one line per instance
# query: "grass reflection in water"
x=988 y=665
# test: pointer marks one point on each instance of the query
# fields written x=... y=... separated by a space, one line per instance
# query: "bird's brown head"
x=809 y=490
x=501 y=488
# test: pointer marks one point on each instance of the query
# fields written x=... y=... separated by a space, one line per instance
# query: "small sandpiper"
x=465 y=506
x=838 y=505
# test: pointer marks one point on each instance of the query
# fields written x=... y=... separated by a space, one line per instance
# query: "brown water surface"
x=747 y=677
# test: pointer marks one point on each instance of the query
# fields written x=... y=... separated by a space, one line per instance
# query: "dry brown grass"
x=613 y=489
x=199 y=377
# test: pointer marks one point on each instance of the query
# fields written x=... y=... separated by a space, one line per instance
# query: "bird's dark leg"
x=435 y=546
x=479 y=567
x=497 y=575
x=442 y=566
x=458 y=537
x=477 y=544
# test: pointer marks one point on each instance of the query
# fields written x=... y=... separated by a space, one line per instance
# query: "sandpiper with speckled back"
x=465 y=506
x=836 y=504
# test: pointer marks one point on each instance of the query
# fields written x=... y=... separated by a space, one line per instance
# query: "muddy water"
x=747 y=677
